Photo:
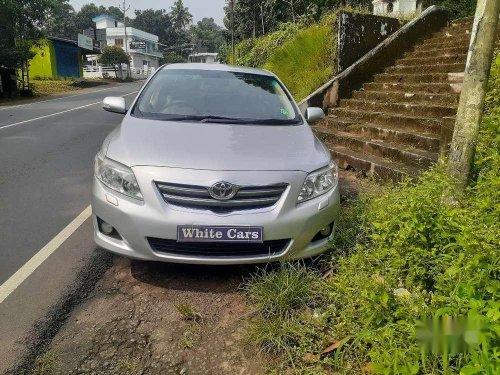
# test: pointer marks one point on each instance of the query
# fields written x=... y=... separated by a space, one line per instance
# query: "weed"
x=191 y=335
x=188 y=312
x=281 y=291
x=46 y=364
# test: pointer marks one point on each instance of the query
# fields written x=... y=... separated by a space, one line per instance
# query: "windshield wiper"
x=273 y=121
x=219 y=119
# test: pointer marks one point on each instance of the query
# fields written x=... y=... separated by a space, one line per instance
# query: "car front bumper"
x=135 y=221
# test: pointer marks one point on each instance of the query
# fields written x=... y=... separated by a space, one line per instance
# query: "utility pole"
x=232 y=29
x=262 y=17
x=470 y=108
x=124 y=9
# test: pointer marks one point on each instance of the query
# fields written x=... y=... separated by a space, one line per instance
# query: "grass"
x=46 y=364
x=305 y=62
x=52 y=87
x=188 y=312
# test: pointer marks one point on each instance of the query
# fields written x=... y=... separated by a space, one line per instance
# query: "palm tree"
x=180 y=15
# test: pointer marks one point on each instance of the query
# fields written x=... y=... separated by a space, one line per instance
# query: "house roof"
x=103 y=17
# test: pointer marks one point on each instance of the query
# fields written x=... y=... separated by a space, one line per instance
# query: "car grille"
x=247 y=197
x=218 y=249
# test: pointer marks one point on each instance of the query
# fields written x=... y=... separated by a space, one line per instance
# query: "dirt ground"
x=155 y=318
x=148 y=318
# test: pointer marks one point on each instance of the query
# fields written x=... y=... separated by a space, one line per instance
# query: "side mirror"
x=114 y=104
x=314 y=114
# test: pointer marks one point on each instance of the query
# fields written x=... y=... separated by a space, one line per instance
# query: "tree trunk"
x=470 y=109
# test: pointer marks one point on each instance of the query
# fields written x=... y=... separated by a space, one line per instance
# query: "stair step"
x=434 y=68
x=407 y=97
x=450 y=43
x=410 y=109
x=424 y=141
x=392 y=151
x=438 y=52
x=446 y=38
x=433 y=60
x=372 y=166
x=419 y=78
x=461 y=22
x=427 y=125
x=421 y=88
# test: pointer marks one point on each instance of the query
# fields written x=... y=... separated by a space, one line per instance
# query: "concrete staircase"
x=390 y=129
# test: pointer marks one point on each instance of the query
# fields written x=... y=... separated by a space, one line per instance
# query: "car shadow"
x=199 y=278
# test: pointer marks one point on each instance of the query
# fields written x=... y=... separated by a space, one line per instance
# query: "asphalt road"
x=46 y=165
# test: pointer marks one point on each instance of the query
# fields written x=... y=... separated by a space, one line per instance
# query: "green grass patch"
x=305 y=62
x=400 y=258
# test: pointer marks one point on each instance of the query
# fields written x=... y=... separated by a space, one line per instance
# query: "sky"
x=198 y=8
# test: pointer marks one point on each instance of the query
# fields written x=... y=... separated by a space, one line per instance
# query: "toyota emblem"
x=223 y=191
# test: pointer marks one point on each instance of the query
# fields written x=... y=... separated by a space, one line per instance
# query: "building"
x=140 y=45
x=204 y=57
x=397 y=7
x=57 y=58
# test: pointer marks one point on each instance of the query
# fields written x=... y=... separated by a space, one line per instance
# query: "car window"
x=202 y=94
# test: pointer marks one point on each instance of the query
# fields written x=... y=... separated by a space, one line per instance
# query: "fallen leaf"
x=335 y=345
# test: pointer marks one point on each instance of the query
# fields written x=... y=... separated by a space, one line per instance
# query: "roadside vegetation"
x=42 y=87
x=302 y=55
x=410 y=286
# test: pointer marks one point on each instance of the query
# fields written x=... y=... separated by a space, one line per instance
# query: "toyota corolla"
x=214 y=164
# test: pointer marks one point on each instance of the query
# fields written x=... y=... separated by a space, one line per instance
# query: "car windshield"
x=216 y=96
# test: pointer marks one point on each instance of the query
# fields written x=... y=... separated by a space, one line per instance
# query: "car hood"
x=193 y=145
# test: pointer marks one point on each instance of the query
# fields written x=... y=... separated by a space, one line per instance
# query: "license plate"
x=210 y=233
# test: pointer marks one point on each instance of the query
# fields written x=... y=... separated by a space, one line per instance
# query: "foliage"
x=20 y=26
x=255 y=52
x=459 y=8
x=404 y=255
x=306 y=61
x=172 y=58
x=206 y=35
x=113 y=55
x=180 y=15
x=253 y=18
x=153 y=21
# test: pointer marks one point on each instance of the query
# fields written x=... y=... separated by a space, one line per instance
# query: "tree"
x=207 y=35
x=156 y=22
x=21 y=27
x=470 y=108
x=180 y=16
x=172 y=58
x=61 y=20
x=114 y=56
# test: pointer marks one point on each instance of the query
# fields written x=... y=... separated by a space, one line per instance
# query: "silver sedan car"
x=214 y=164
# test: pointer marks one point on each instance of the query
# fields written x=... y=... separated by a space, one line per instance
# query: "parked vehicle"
x=214 y=164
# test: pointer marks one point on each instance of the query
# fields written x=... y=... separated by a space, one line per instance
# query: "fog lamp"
x=107 y=228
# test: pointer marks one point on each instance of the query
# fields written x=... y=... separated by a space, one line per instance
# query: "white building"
x=140 y=45
x=204 y=57
x=396 y=7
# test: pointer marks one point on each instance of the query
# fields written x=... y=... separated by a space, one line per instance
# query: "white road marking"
x=31 y=265
x=2 y=108
x=57 y=113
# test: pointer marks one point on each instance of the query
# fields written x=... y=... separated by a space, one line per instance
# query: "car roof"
x=217 y=67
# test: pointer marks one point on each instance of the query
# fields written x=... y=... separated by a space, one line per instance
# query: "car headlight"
x=319 y=183
x=117 y=177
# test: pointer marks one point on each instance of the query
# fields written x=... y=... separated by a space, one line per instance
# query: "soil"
x=131 y=324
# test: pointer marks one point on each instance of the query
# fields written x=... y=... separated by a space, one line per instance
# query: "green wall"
x=43 y=65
